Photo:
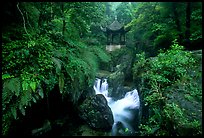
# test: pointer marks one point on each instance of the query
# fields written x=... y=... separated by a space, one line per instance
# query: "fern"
x=21 y=108
x=58 y=63
x=11 y=87
x=25 y=85
x=40 y=92
x=17 y=94
x=6 y=76
x=14 y=112
x=33 y=85
x=14 y=86
x=6 y=122
x=26 y=97
x=60 y=52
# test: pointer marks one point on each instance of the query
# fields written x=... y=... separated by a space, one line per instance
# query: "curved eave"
x=103 y=29
x=115 y=31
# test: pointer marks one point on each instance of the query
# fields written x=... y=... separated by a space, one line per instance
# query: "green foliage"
x=6 y=76
x=126 y=130
x=139 y=65
x=46 y=46
x=124 y=12
x=17 y=94
x=162 y=77
x=156 y=24
x=197 y=20
x=163 y=66
x=101 y=54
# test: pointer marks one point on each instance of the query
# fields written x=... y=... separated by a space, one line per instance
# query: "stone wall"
x=113 y=47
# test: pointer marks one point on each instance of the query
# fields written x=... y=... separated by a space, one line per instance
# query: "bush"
x=164 y=80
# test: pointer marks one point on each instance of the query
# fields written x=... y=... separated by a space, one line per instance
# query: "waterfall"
x=101 y=88
x=97 y=86
x=104 y=86
x=122 y=108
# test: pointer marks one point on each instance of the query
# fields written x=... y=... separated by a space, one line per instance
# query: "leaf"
x=6 y=94
x=14 y=113
x=41 y=93
x=29 y=104
x=6 y=76
x=61 y=82
x=36 y=96
x=34 y=100
x=14 y=86
x=126 y=129
x=22 y=109
x=154 y=129
x=33 y=86
x=10 y=87
x=24 y=85
x=57 y=63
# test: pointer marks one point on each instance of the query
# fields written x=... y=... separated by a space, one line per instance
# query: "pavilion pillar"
x=112 y=37
x=107 y=41
x=124 y=39
x=120 y=39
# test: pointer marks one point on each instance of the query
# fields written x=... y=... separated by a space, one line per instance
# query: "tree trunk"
x=188 y=19
x=51 y=10
x=176 y=19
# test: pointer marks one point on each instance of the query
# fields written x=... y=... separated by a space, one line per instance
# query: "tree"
x=156 y=24
x=44 y=47
x=124 y=12
x=188 y=20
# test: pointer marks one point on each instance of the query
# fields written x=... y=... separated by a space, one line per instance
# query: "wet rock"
x=115 y=81
x=96 y=112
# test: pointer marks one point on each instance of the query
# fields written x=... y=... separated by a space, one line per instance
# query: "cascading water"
x=122 y=108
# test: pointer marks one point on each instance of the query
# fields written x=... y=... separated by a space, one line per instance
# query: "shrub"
x=163 y=77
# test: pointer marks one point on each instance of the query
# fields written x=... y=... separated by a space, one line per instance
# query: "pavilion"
x=115 y=34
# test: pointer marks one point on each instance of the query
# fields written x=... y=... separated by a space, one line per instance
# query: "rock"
x=116 y=81
x=102 y=74
x=42 y=130
x=96 y=112
x=87 y=131
x=87 y=93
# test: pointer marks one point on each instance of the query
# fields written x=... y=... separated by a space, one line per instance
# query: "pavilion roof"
x=115 y=26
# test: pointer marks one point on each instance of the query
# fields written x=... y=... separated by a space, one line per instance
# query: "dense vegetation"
x=170 y=87
x=49 y=44
x=170 y=83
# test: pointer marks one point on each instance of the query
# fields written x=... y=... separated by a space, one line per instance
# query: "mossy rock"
x=96 y=113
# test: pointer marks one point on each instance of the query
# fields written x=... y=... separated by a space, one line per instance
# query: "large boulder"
x=96 y=112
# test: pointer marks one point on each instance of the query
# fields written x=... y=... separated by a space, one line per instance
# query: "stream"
x=125 y=110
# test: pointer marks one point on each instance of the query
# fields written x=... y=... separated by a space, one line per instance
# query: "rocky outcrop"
x=115 y=81
x=96 y=112
x=117 y=72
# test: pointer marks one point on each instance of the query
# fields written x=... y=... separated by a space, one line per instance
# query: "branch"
x=28 y=21
x=23 y=21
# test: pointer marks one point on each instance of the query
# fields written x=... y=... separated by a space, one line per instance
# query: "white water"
x=121 y=108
